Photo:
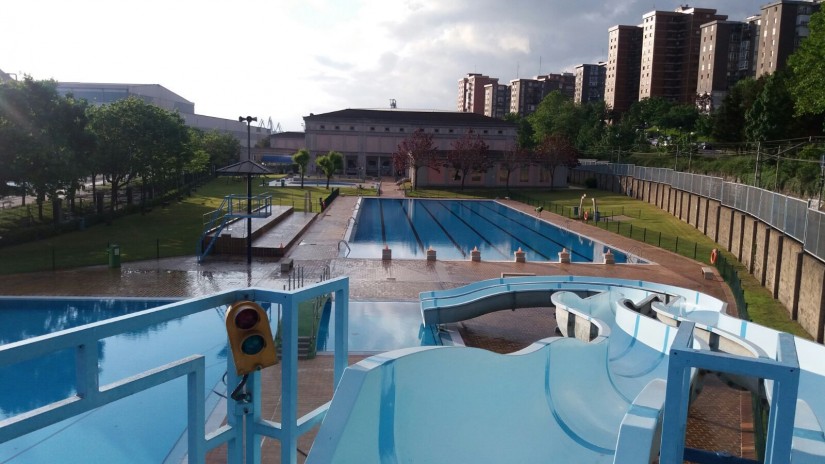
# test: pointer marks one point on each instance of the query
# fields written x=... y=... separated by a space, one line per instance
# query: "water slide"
x=594 y=396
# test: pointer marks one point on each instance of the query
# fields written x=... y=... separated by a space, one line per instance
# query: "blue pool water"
x=153 y=420
x=454 y=227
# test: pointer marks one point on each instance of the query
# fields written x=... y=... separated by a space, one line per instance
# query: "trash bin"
x=114 y=255
x=283 y=183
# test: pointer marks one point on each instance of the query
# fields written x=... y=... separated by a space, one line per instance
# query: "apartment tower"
x=726 y=57
x=589 y=82
x=784 y=25
x=471 y=92
x=621 y=85
x=670 y=52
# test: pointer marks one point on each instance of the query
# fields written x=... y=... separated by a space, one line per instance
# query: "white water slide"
x=594 y=396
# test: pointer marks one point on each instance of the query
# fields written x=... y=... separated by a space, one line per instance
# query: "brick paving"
x=717 y=419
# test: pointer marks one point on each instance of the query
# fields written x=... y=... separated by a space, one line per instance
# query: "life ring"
x=714 y=255
x=585 y=216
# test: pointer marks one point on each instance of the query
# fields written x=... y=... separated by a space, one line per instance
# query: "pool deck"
x=719 y=420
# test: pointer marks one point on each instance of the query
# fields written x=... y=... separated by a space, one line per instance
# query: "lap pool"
x=454 y=227
x=147 y=427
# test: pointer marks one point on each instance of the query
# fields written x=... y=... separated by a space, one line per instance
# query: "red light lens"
x=246 y=318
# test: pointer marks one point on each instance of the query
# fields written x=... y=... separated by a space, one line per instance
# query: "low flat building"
x=367 y=140
x=155 y=94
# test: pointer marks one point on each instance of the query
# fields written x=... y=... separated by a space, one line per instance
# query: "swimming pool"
x=154 y=420
x=454 y=227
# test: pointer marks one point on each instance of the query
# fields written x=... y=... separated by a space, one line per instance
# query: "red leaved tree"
x=555 y=151
x=415 y=152
x=469 y=154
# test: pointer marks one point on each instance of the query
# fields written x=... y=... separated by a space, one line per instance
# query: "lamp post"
x=248 y=120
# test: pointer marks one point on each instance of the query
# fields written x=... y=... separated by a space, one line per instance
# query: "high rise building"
x=589 y=82
x=496 y=100
x=622 y=70
x=564 y=83
x=726 y=57
x=471 y=92
x=670 y=52
x=784 y=24
x=527 y=94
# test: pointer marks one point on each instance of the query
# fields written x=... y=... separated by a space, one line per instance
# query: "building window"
x=372 y=128
x=401 y=129
x=450 y=131
x=435 y=130
x=386 y=129
x=351 y=127
x=323 y=126
x=337 y=127
x=484 y=131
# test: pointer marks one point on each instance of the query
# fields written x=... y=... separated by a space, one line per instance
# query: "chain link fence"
x=793 y=216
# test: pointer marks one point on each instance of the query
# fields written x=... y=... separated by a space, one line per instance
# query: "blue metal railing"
x=232 y=208
x=244 y=421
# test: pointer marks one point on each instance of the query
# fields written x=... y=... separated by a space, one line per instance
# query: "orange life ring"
x=714 y=255
x=585 y=216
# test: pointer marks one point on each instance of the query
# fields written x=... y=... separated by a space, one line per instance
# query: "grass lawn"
x=163 y=232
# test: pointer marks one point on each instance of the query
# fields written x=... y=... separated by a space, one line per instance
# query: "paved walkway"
x=715 y=420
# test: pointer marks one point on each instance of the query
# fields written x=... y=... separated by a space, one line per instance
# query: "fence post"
x=677 y=244
x=157 y=248
x=660 y=239
x=695 y=244
x=54 y=261
x=644 y=235
x=631 y=230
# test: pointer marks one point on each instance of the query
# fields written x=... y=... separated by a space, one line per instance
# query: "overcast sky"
x=285 y=59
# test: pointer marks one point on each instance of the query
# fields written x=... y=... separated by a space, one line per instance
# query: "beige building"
x=783 y=26
x=621 y=85
x=368 y=138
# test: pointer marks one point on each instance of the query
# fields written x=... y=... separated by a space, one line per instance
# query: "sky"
x=285 y=59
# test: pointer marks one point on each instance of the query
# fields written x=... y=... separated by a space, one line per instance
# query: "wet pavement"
x=716 y=420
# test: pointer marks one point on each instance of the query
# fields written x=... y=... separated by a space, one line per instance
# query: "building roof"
x=289 y=134
x=410 y=117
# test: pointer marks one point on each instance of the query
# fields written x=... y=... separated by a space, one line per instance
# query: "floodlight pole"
x=248 y=120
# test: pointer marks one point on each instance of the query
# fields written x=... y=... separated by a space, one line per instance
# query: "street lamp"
x=248 y=120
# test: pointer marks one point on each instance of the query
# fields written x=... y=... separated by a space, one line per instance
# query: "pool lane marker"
x=477 y=213
x=506 y=255
x=438 y=223
x=412 y=226
x=383 y=230
x=513 y=219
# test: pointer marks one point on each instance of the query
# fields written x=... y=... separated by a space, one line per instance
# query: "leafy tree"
x=138 y=139
x=223 y=149
x=555 y=151
x=301 y=158
x=729 y=118
x=330 y=163
x=769 y=118
x=525 y=138
x=808 y=66
x=40 y=135
x=469 y=154
x=416 y=151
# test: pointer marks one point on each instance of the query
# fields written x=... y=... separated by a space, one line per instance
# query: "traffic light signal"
x=250 y=337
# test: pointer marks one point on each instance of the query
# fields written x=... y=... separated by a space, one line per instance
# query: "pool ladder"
x=346 y=245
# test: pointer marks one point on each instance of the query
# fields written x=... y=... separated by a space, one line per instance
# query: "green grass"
x=162 y=232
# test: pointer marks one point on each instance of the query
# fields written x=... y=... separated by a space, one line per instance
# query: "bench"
x=286 y=265
x=707 y=272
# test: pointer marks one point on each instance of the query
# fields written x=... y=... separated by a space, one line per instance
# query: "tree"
x=729 y=118
x=808 y=66
x=525 y=138
x=469 y=154
x=770 y=116
x=223 y=149
x=330 y=163
x=415 y=152
x=301 y=158
x=513 y=159
x=138 y=139
x=555 y=151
